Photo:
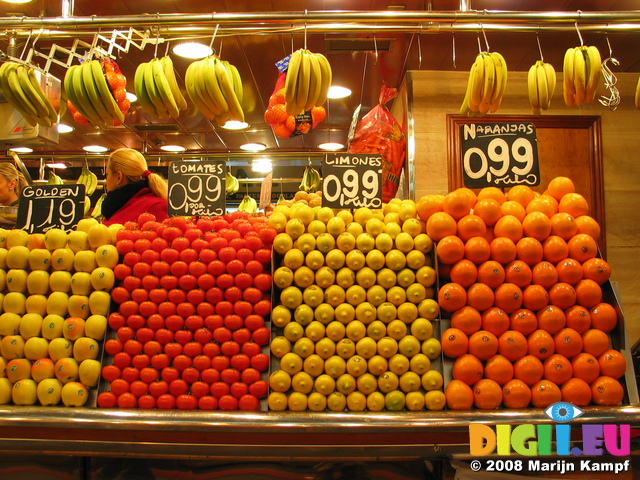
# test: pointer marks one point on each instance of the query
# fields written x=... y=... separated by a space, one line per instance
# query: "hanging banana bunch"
x=54 y=179
x=232 y=185
x=486 y=85
x=310 y=180
x=97 y=209
x=308 y=80
x=89 y=180
x=541 y=83
x=248 y=205
x=157 y=88
x=581 y=71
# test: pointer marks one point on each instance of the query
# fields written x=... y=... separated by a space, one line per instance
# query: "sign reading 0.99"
x=352 y=180
x=43 y=207
x=499 y=154
x=197 y=188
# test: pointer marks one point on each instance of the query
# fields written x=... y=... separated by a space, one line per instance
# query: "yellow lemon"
x=346 y=384
x=334 y=295
x=279 y=381
x=420 y=363
x=366 y=277
x=374 y=226
x=376 y=295
x=313 y=296
x=429 y=309
x=325 y=277
x=384 y=242
x=325 y=384
x=313 y=365
x=335 y=331
x=303 y=314
x=303 y=277
x=407 y=210
x=304 y=347
x=387 y=312
x=423 y=243
x=284 y=209
x=317 y=402
x=415 y=401
x=362 y=215
x=324 y=214
x=280 y=316
x=280 y=346
x=374 y=259
x=293 y=331
x=295 y=227
x=355 y=260
x=416 y=259
x=399 y=364
x=345 y=242
x=277 y=401
x=324 y=313
x=366 y=347
x=345 y=277
x=435 y=400
x=316 y=227
x=388 y=382
x=291 y=297
x=302 y=382
x=416 y=293
x=335 y=259
x=432 y=380
x=345 y=348
x=392 y=217
x=356 y=330
x=325 y=242
x=413 y=227
x=410 y=382
x=315 y=331
x=405 y=277
x=395 y=260
x=375 y=402
x=303 y=212
x=282 y=243
x=283 y=277
x=367 y=383
x=356 y=402
x=335 y=366
x=278 y=220
x=356 y=365
x=325 y=348
x=397 y=295
x=376 y=330
x=336 y=226
x=407 y=312
x=396 y=329
x=392 y=229
x=345 y=313
x=297 y=402
x=355 y=229
x=395 y=401
x=391 y=206
x=366 y=312
x=387 y=347
x=306 y=242
x=314 y=259
x=355 y=294
x=421 y=328
x=346 y=216
x=404 y=242
x=336 y=402
x=291 y=363
x=431 y=348
x=377 y=365
x=293 y=259
x=365 y=242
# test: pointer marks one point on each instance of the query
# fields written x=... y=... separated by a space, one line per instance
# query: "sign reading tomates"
x=352 y=180
x=197 y=188
x=499 y=154
x=43 y=207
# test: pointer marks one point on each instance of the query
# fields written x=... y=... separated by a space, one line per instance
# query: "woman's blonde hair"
x=10 y=172
x=133 y=165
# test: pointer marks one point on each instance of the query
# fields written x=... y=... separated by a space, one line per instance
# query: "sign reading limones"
x=352 y=180
x=197 y=188
x=499 y=154
x=43 y=207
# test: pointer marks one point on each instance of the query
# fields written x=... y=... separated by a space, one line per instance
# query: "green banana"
x=54 y=179
x=92 y=92
x=33 y=97
x=97 y=208
x=152 y=90
x=105 y=95
x=194 y=90
x=52 y=114
x=310 y=180
x=281 y=199
x=84 y=100
x=170 y=74
x=87 y=205
x=10 y=96
x=89 y=180
x=164 y=89
x=248 y=205
x=141 y=90
x=232 y=185
x=224 y=80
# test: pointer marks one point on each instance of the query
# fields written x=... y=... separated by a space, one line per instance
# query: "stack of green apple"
x=353 y=323
x=54 y=294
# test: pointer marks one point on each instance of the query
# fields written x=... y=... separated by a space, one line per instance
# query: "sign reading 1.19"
x=44 y=207
x=352 y=180
x=499 y=154
x=197 y=188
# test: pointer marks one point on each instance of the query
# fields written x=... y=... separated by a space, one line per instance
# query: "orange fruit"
x=503 y=250
x=596 y=269
x=544 y=204
x=612 y=363
x=518 y=273
x=587 y=225
x=452 y=297
x=582 y=247
x=464 y=272
x=588 y=293
x=568 y=342
x=491 y=273
x=595 y=342
x=454 y=342
x=469 y=193
x=508 y=226
x=512 y=344
x=606 y=391
x=483 y=344
x=495 y=320
x=574 y=204
x=563 y=225
x=551 y=319
x=536 y=225
x=576 y=391
x=516 y=394
x=508 y=297
x=487 y=394
x=545 y=274
x=499 y=369
x=529 y=250
x=492 y=192
x=282 y=130
x=471 y=226
x=511 y=207
x=569 y=271
x=490 y=235
x=545 y=393
x=529 y=369
x=522 y=194
x=467 y=319
x=477 y=249
x=467 y=368
x=488 y=209
x=554 y=249
x=277 y=97
x=562 y=295
x=441 y=224
x=457 y=204
x=603 y=317
x=540 y=344
x=559 y=186
x=524 y=321
x=578 y=318
x=585 y=367
x=557 y=368
x=428 y=205
x=450 y=249
x=480 y=296
x=459 y=395
x=535 y=297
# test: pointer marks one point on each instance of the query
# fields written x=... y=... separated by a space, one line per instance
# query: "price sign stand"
x=44 y=207
x=197 y=188
x=352 y=180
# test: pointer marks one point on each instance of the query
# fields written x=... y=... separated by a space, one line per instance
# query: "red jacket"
x=141 y=202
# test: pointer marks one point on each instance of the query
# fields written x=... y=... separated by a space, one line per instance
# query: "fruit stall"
x=358 y=314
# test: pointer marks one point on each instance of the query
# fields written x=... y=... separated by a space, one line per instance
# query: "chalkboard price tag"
x=352 y=180
x=197 y=188
x=43 y=207
x=499 y=154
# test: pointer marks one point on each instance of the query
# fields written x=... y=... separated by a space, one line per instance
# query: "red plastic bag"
x=379 y=132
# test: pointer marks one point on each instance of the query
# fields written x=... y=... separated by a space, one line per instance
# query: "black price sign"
x=44 y=207
x=499 y=155
x=197 y=188
x=352 y=180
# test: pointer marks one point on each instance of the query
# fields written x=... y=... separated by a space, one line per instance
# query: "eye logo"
x=563 y=412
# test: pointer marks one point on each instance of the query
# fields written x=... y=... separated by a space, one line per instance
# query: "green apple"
x=84 y=261
x=15 y=302
x=12 y=346
x=3 y=237
x=57 y=303
x=18 y=369
x=102 y=278
x=89 y=372
x=78 y=306
x=36 y=240
x=3 y=257
x=30 y=325
x=107 y=256
x=18 y=257
x=55 y=238
x=77 y=240
x=114 y=228
x=39 y=259
x=9 y=324
x=36 y=304
x=38 y=282
x=17 y=237
x=24 y=392
x=60 y=281
x=62 y=259
x=99 y=235
x=99 y=302
x=81 y=283
x=5 y=390
x=95 y=326
x=52 y=326
x=43 y=368
x=73 y=328
x=60 y=348
x=66 y=369
x=74 y=394
x=36 y=348
x=86 y=224
x=17 y=280
x=49 y=391
x=85 y=348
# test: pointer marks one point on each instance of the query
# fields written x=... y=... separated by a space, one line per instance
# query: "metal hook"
x=479 y=44
x=606 y=36
x=453 y=47
x=484 y=34
x=305 y=29
x=26 y=44
x=419 y=49
x=539 y=47
x=155 y=52
x=215 y=32
x=166 y=50
x=104 y=166
x=578 y=32
x=375 y=46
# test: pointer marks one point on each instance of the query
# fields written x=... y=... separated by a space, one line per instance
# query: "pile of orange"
x=521 y=279
x=285 y=125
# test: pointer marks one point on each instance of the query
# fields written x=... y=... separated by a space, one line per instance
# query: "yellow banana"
x=83 y=97
x=105 y=92
x=550 y=73
x=236 y=80
x=224 y=80
x=304 y=75
x=164 y=90
x=32 y=96
x=594 y=71
x=154 y=95
x=170 y=74
x=97 y=209
x=477 y=82
x=579 y=76
x=489 y=81
x=52 y=114
x=532 y=89
x=568 y=87
x=543 y=89
x=92 y=92
x=291 y=80
x=501 y=77
x=315 y=82
x=191 y=85
x=140 y=90
x=326 y=76
x=9 y=94
x=209 y=78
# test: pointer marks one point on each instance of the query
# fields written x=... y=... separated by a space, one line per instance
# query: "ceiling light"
x=57 y=165
x=338 y=92
x=21 y=149
x=235 y=125
x=63 y=128
x=332 y=146
x=261 y=165
x=192 y=50
x=17 y=1
x=253 y=147
x=173 y=148
x=131 y=97
x=95 y=149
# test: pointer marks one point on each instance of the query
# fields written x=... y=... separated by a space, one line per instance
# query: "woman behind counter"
x=11 y=184
x=132 y=189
